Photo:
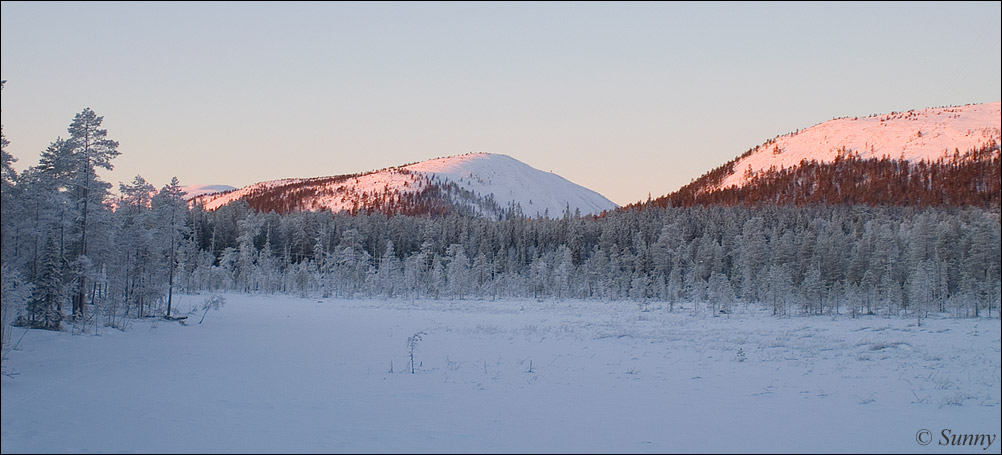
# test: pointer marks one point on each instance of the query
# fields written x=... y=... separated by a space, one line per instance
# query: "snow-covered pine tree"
x=88 y=148
x=171 y=214
x=45 y=309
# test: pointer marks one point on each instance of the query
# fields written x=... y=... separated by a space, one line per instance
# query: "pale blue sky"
x=624 y=98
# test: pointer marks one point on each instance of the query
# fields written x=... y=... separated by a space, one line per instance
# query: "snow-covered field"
x=285 y=374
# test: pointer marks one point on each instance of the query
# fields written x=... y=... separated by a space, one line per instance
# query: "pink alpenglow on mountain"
x=925 y=134
x=485 y=184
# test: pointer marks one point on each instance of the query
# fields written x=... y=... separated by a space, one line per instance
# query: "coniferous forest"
x=73 y=251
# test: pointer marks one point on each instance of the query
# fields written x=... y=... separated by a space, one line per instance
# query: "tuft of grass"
x=867 y=400
x=881 y=345
x=957 y=399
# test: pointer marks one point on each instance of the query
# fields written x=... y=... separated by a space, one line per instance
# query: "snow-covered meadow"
x=269 y=373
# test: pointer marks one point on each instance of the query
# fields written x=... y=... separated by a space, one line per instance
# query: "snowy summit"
x=512 y=181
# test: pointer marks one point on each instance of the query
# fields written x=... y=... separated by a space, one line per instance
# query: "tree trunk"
x=80 y=298
x=170 y=279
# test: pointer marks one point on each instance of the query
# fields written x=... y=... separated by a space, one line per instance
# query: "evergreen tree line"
x=70 y=249
x=819 y=259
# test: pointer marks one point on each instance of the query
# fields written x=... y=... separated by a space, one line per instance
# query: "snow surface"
x=895 y=136
x=507 y=179
x=285 y=374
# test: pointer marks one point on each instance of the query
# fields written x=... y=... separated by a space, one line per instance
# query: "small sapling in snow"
x=412 y=342
x=212 y=303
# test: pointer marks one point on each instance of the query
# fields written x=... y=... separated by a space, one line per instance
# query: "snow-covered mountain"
x=926 y=156
x=485 y=184
x=509 y=181
x=926 y=134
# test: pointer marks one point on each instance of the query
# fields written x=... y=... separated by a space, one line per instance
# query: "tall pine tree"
x=88 y=148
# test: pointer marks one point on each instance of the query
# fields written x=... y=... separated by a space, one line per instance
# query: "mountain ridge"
x=914 y=135
x=924 y=156
x=479 y=183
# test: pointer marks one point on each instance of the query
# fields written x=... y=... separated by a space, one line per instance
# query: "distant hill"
x=935 y=156
x=482 y=184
